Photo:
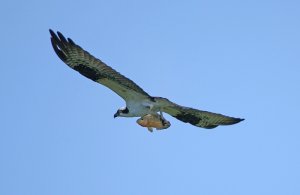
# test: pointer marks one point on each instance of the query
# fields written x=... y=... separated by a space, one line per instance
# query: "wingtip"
x=71 y=41
x=52 y=33
x=240 y=119
x=58 y=44
x=61 y=37
x=237 y=120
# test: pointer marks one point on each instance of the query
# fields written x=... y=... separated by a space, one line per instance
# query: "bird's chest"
x=140 y=108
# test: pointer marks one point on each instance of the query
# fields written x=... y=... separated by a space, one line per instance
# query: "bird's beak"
x=116 y=115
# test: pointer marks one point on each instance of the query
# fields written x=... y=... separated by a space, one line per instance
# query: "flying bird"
x=138 y=102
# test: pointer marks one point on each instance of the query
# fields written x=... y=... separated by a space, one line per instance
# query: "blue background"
x=239 y=58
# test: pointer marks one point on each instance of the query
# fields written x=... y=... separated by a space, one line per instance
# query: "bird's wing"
x=89 y=66
x=195 y=117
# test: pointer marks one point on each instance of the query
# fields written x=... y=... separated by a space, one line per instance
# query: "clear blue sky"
x=239 y=58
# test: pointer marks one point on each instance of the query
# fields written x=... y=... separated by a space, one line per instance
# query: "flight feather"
x=195 y=117
x=89 y=66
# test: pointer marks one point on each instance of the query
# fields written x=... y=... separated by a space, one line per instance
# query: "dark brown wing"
x=89 y=66
x=195 y=117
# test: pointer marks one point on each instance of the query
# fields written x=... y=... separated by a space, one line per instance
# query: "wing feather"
x=195 y=117
x=89 y=66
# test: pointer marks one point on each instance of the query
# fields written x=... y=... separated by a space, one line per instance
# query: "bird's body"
x=138 y=102
x=141 y=108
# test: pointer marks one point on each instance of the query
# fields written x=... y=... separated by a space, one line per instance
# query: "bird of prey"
x=138 y=102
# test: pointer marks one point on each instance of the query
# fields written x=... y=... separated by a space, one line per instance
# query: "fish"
x=153 y=121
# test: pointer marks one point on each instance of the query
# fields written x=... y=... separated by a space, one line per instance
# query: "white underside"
x=139 y=109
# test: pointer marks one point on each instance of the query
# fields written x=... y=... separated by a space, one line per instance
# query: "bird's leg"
x=161 y=115
x=166 y=124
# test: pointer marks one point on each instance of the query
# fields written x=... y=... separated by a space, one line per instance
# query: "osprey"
x=138 y=102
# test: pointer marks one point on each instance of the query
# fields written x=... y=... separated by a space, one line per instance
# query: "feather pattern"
x=195 y=117
x=89 y=66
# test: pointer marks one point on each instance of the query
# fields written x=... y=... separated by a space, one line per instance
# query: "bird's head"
x=121 y=112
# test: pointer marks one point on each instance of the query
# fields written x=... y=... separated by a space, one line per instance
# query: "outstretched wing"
x=89 y=66
x=195 y=117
